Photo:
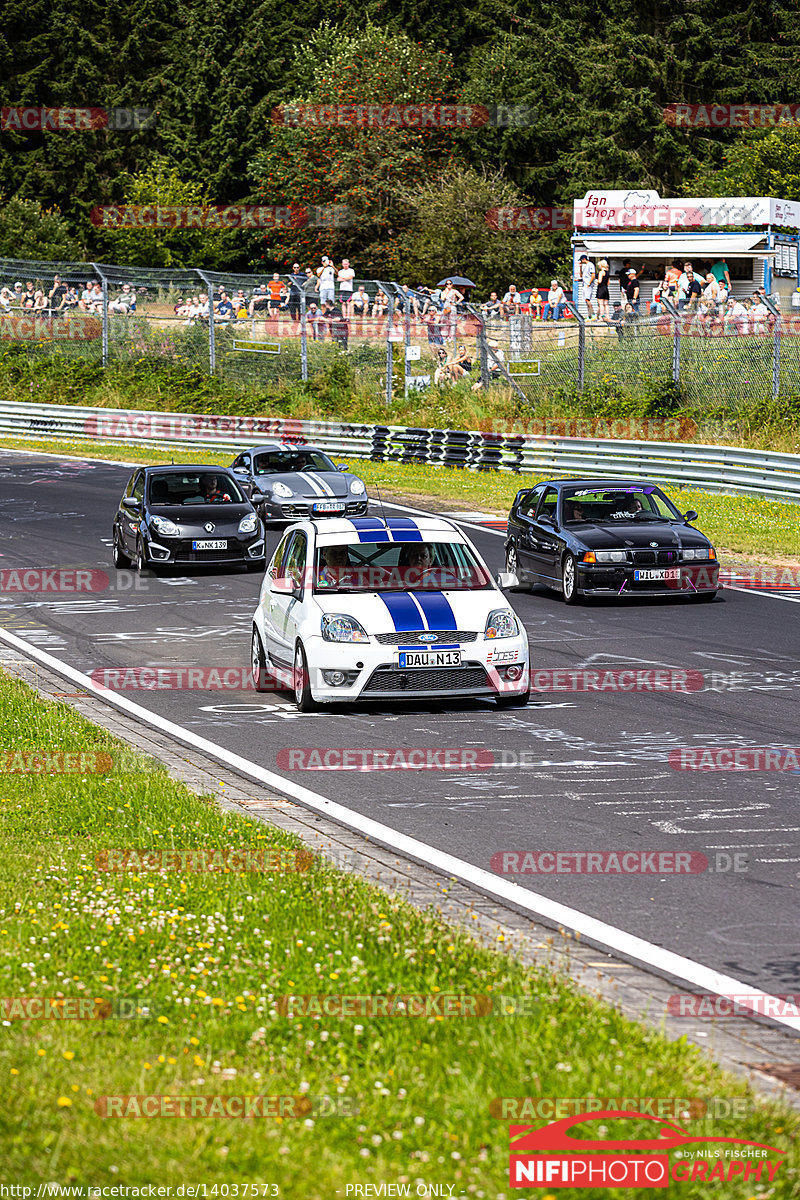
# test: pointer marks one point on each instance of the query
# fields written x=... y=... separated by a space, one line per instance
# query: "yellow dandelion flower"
x=64 y=1102
x=69 y=1055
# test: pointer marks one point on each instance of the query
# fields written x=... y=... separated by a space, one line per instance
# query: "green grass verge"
x=739 y=525
x=210 y=952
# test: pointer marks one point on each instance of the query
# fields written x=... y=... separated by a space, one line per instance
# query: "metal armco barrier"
x=715 y=468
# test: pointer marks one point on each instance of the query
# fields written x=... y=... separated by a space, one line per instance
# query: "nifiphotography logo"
x=549 y=1157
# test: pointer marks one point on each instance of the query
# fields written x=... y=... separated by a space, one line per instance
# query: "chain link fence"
x=257 y=330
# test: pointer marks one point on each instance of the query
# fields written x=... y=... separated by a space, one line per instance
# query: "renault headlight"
x=164 y=527
x=357 y=487
x=280 y=489
x=501 y=624
x=338 y=627
x=248 y=524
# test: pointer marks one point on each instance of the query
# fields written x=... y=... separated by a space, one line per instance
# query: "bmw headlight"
x=618 y=556
x=703 y=555
x=164 y=527
x=357 y=487
x=501 y=624
x=338 y=627
x=248 y=524
x=281 y=490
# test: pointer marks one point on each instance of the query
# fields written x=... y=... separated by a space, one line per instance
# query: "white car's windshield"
x=398 y=567
x=284 y=462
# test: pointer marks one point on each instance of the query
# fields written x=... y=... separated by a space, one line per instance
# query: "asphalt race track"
x=596 y=774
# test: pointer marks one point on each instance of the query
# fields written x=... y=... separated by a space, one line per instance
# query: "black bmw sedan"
x=175 y=514
x=599 y=537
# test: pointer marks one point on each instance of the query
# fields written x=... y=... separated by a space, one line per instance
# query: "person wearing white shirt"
x=511 y=301
x=327 y=282
x=758 y=315
x=345 y=279
x=554 y=308
x=588 y=279
x=711 y=290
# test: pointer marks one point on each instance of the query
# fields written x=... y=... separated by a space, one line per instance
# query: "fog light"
x=513 y=673
x=158 y=552
x=339 y=678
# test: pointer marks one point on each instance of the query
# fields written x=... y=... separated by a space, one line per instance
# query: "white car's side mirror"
x=506 y=579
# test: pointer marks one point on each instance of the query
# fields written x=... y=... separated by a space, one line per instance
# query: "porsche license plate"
x=667 y=573
x=429 y=658
x=208 y=544
x=322 y=506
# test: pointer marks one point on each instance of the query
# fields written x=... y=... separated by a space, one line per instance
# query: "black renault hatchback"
x=600 y=537
x=182 y=515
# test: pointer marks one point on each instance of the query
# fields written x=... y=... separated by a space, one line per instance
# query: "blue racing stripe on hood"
x=437 y=610
x=405 y=615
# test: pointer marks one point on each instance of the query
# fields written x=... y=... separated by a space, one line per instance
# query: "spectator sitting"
x=71 y=298
x=96 y=298
x=18 y=294
x=181 y=309
x=495 y=361
x=193 y=310
x=379 y=305
x=314 y=318
x=711 y=290
x=260 y=299
x=224 y=308
x=409 y=301
x=125 y=301
x=492 y=307
x=204 y=307
x=616 y=319
x=759 y=313
x=360 y=303
x=239 y=303
x=554 y=308
x=56 y=295
x=6 y=299
x=511 y=301
x=39 y=304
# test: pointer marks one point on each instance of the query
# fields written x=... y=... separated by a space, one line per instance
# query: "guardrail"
x=715 y=468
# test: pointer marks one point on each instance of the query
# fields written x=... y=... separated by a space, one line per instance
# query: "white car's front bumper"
x=372 y=671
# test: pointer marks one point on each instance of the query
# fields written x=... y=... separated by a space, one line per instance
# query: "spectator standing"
x=39 y=303
x=337 y=324
x=277 y=291
x=689 y=290
x=616 y=319
x=296 y=281
x=711 y=291
x=721 y=273
x=632 y=291
x=6 y=299
x=451 y=294
x=671 y=277
x=588 y=276
x=432 y=320
x=18 y=294
x=554 y=308
x=622 y=275
x=603 y=276
x=28 y=299
x=326 y=274
x=345 y=280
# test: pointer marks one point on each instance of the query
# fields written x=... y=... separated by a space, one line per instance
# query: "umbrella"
x=457 y=280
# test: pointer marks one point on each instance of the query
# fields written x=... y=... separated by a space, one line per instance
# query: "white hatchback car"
x=370 y=609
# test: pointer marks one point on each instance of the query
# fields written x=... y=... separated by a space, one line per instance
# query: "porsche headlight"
x=164 y=527
x=501 y=624
x=248 y=524
x=357 y=487
x=604 y=556
x=281 y=490
x=338 y=627
x=702 y=555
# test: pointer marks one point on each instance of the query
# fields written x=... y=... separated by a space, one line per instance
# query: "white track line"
x=608 y=936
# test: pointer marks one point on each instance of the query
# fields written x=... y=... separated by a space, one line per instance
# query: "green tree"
x=452 y=232
x=758 y=163
x=29 y=231
x=161 y=184
x=362 y=169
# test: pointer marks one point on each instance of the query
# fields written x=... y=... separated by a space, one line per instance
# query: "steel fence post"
x=104 y=282
x=212 y=346
x=572 y=307
x=303 y=337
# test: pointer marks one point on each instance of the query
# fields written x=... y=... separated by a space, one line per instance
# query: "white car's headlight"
x=165 y=528
x=248 y=524
x=501 y=624
x=280 y=489
x=338 y=627
x=611 y=556
x=357 y=487
x=702 y=554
